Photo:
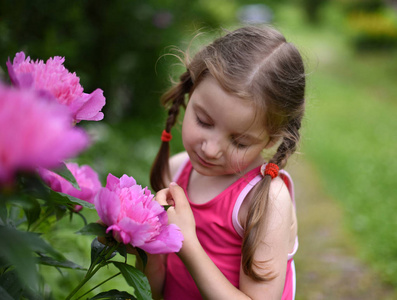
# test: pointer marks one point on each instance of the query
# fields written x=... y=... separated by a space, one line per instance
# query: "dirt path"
x=327 y=264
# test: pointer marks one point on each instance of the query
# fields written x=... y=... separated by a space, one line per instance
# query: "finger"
x=178 y=195
x=162 y=196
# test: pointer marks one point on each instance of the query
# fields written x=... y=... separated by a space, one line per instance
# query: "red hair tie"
x=269 y=169
x=166 y=136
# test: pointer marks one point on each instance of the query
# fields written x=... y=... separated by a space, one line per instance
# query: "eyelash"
x=201 y=123
x=234 y=142
x=238 y=145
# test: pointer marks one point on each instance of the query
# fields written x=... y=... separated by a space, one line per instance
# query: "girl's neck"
x=202 y=189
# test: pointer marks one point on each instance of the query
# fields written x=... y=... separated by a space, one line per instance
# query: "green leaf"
x=32 y=211
x=10 y=286
x=30 y=206
x=75 y=200
x=49 y=261
x=4 y=295
x=166 y=207
x=122 y=249
x=61 y=198
x=60 y=211
x=94 y=229
x=33 y=185
x=136 y=279
x=17 y=251
x=3 y=213
x=143 y=256
x=113 y=295
x=96 y=251
x=17 y=248
x=64 y=172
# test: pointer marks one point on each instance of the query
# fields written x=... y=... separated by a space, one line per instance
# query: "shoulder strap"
x=180 y=169
x=284 y=176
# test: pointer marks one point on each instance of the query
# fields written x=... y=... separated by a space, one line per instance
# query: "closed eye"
x=202 y=123
x=239 y=145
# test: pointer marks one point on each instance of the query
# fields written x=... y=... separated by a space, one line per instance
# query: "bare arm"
x=278 y=241
x=155 y=272
x=208 y=278
x=155 y=268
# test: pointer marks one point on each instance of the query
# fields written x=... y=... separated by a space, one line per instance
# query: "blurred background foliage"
x=120 y=46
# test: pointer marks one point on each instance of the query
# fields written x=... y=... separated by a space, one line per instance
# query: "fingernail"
x=173 y=183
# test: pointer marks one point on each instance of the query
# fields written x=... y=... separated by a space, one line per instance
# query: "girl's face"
x=221 y=132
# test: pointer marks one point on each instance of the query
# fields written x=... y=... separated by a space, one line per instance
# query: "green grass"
x=350 y=134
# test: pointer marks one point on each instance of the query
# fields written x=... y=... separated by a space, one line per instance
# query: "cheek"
x=188 y=131
x=238 y=159
x=241 y=159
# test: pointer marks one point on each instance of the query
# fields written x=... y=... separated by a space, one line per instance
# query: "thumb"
x=178 y=194
x=162 y=196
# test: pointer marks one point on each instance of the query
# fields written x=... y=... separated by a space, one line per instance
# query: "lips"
x=204 y=162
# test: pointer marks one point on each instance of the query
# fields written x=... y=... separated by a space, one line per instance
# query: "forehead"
x=240 y=116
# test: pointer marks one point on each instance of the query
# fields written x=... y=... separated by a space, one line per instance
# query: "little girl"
x=236 y=211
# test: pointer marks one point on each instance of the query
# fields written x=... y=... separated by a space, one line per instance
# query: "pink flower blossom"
x=54 y=80
x=35 y=132
x=86 y=178
x=135 y=218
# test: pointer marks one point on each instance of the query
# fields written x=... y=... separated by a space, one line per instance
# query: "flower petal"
x=127 y=181
x=107 y=204
x=137 y=219
x=139 y=233
x=90 y=106
x=169 y=240
x=39 y=133
x=112 y=182
x=53 y=78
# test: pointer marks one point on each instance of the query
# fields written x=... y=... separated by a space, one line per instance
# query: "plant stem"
x=115 y=275
x=41 y=220
x=92 y=270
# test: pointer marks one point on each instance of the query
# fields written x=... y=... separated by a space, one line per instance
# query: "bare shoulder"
x=279 y=196
x=176 y=161
x=279 y=205
x=276 y=242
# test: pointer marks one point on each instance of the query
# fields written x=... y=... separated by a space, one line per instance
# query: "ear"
x=272 y=141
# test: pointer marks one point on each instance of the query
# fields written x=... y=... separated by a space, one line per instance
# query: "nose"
x=212 y=148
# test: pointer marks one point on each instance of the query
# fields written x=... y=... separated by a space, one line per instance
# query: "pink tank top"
x=220 y=235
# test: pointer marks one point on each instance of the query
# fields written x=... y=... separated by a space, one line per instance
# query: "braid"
x=174 y=98
x=255 y=218
x=288 y=144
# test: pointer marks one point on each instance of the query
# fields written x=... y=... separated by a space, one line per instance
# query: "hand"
x=180 y=212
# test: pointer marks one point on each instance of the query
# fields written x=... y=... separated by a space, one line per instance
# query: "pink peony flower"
x=35 y=132
x=86 y=178
x=135 y=218
x=54 y=80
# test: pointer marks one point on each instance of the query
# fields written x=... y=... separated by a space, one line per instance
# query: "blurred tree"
x=113 y=45
x=312 y=9
x=371 y=24
x=363 y=5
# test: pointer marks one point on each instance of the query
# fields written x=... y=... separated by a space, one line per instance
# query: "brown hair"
x=254 y=63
